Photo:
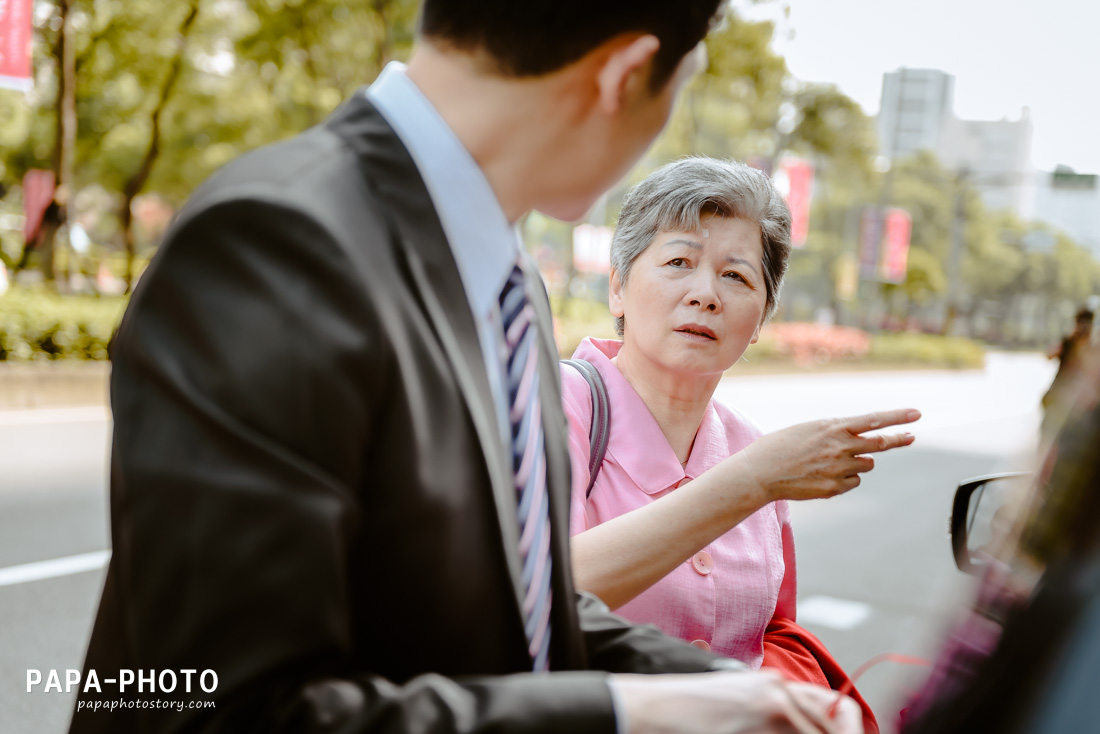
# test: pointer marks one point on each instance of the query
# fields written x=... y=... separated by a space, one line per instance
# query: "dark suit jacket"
x=309 y=493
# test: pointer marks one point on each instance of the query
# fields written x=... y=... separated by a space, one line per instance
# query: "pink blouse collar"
x=636 y=442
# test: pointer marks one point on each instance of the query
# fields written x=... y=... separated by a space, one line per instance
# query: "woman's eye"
x=676 y=262
x=736 y=276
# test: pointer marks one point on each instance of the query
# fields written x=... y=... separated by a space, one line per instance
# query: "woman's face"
x=694 y=300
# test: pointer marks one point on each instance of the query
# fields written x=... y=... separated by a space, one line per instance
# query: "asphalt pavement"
x=875 y=569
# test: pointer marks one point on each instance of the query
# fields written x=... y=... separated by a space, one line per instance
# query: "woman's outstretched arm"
x=624 y=556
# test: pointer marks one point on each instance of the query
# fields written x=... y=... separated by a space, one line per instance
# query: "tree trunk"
x=64 y=143
x=137 y=182
x=383 y=51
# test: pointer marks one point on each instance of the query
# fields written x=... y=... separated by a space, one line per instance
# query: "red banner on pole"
x=795 y=181
x=895 y=246
x=15 y=44
x=38 y=190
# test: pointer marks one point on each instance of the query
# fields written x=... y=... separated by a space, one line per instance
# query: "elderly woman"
x=687 y=525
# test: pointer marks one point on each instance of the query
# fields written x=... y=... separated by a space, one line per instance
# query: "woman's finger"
x=861 y=465
x=879 y=443
x=881 y=419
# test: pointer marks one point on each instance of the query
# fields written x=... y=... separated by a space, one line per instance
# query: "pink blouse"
x=723 y=597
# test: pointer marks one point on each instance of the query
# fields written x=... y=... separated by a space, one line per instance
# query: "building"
x=917 y=113
x=915 y=105
x=995 y=157
x=1070 y=201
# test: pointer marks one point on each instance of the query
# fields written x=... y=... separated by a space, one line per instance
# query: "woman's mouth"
x=698 y=331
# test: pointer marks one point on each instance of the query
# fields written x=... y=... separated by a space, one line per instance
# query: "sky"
x=1004 y=56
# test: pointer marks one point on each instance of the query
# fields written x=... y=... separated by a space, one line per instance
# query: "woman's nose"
x=704 y=293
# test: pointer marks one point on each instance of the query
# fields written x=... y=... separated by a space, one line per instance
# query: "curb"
x=30 y=385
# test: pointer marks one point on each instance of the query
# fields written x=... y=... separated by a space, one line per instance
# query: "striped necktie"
x=521 y=354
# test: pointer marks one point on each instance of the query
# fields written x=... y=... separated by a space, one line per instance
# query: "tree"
x=134 y=184
x=157 y=114
x=832 y=127
x=923 y=188
x=731 y=108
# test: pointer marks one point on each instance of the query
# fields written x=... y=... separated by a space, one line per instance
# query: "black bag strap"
x=600 y=428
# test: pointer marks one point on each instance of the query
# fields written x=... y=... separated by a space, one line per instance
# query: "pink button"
x=701 y=644
x=702 y=563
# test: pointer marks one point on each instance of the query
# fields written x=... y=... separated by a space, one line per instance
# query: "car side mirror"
x=982 y=517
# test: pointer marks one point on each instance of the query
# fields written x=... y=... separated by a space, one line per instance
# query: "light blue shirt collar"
x=485 y=245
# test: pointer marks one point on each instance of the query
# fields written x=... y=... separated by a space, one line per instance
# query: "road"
x=875 y=570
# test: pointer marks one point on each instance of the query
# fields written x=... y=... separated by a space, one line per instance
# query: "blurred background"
x=938 y=159
x=911 y=217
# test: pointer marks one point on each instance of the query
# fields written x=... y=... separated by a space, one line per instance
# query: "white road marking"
x=54 y=568
x=838 y=614
x=54 y=416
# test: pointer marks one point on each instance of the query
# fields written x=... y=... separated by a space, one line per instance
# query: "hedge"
x=927 y=349
x=810 y=344
x=36 y=324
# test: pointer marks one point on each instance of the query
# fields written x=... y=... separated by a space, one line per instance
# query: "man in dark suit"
x=339 y=479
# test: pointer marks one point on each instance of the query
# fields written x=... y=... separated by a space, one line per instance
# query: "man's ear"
x=626 y=62
x=615 y=294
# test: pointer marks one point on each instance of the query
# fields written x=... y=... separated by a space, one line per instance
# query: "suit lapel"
x=567 y=650
x=553 y=420
x=435 y=276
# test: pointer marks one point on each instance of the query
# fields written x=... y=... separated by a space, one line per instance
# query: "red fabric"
x=785 y=605
x=801 y=657
x=16 y=29
x=38 y=191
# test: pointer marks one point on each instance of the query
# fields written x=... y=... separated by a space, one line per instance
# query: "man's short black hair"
x=535 y=37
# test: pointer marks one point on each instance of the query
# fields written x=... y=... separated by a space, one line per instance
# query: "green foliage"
x=925 y=277
x=258 y=71
x=746 y=104
x=577 y=318
x=766 y=349
x=926 y=350
x=886 y=350
x=254 y=72
x=925 y=189
x=832 y=126
x=41 y=325
x=991 y=264
x=730 y=110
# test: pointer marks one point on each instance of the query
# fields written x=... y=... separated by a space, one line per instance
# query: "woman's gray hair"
x=676 y=197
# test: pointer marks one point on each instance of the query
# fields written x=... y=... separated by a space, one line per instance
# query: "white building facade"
x=1071 y=202
x=917 y=113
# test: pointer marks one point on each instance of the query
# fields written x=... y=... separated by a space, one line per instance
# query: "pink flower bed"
x=817 y=343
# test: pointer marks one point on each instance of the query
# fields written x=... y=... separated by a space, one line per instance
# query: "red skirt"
x=801 y=657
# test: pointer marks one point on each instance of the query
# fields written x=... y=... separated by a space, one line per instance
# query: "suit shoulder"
x=293 y=173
